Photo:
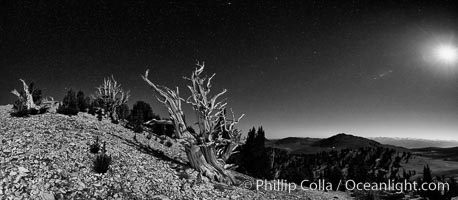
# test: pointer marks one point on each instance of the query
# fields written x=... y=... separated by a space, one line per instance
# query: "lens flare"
x=446 y=54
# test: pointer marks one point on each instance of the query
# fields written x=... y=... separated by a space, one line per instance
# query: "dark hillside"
x=448 y=154
x=342 y=141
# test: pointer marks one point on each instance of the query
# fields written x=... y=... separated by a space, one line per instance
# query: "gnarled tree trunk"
x=199 y=147
x=203 y=159
x=25 y=100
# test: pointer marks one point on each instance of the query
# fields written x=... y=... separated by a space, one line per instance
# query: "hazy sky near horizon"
x=297 y=68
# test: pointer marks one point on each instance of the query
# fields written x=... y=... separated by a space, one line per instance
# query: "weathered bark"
x=200 y=147
x=25 y=100
x=51 y=104
x=114 y=117
x=158 y=121
x=172 y=101
x=226 y=151
x=203 y=159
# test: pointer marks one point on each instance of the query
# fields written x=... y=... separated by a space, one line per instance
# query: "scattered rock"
x=54 y=163
x=160 y=197
x=23 y=170
x=47 y=196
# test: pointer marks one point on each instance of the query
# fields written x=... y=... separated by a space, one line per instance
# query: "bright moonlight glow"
x=446 y=54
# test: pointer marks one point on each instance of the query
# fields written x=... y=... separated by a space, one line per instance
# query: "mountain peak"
x=343 y=140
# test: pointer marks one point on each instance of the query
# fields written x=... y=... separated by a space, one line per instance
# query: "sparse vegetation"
x=373 y=163
x=210 y=147
x=95 y=147
x=102 y=161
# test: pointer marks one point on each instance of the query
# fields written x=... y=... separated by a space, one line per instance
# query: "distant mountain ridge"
x=296 y=145
x=343 y=140
x=416 y=143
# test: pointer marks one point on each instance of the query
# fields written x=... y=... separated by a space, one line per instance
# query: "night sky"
x=297 y=68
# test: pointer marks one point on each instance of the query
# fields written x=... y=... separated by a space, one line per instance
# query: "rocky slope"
x=47 y=157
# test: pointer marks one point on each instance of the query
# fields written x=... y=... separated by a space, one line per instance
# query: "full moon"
x=446 y=54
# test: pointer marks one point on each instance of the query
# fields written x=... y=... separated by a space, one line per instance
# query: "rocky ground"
x=47 y=157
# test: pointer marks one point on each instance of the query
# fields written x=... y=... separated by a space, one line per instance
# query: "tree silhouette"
x=141 y=112
x=83 y=101
x=427 y=178
x=69 y=104
x=123 y=111
x=255 y=158
x=36 y=93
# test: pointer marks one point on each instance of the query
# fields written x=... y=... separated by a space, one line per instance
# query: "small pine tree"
x=260 y=138
x=95 y=147
x=36 y=94
x=95 y=106
x=453 y=188
x=102 y=163
x=255 y=160
x=123 y=111
x=141 y=112
x=83 y=102
x=69 y=104
x=427 y=178
x=250 y=139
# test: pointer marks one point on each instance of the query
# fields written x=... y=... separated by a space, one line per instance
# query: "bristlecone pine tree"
x=109 y=96
x=29 y=101
x=25 y=99
x=209 y=147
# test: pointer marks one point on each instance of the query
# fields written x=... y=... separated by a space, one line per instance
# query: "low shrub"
x=168 y=143
x=95 y=147
x=83 y=102
x=102 y=163
x=32 y=111
x=138 y=129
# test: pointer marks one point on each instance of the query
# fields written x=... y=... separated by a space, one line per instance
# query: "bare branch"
x=172 y=101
